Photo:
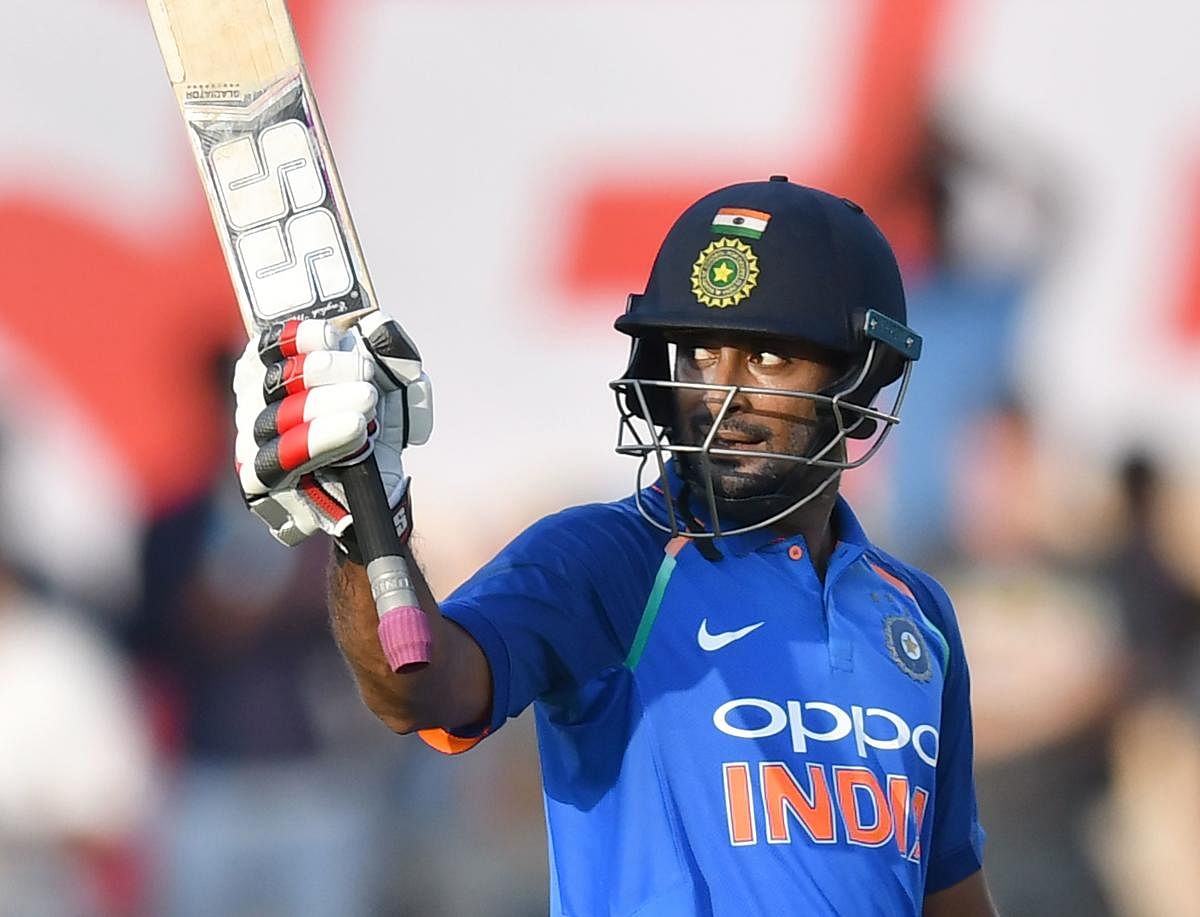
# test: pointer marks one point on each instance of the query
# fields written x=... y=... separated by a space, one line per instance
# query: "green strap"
x=654 y=601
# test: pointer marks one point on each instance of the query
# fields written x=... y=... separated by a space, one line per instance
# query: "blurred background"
x=177 y=733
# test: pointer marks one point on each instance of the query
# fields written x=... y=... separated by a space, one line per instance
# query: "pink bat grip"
x=405 y=637
x=403 y=628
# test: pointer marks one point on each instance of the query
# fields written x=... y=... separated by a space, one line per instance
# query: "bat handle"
x=403 y=627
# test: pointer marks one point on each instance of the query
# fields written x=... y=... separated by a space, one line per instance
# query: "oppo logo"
x=817 y=721
x=287 y=244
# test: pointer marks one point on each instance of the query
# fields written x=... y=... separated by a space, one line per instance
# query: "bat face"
x=264 y=159
x=283 y=234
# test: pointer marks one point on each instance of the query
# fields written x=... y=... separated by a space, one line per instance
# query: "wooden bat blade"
x=215 y=43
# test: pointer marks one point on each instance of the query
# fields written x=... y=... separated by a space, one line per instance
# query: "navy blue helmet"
x=778 y=264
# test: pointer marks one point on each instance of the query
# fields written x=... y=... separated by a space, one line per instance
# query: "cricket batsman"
x=744 y=707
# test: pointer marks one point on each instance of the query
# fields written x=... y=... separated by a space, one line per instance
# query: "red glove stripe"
x=278 y=340
x=325 y=503
x=287 y=338
x=293 y=374
x=291 y=412
x=293 y=448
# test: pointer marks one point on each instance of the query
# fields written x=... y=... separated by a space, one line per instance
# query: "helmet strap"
x=707 y=549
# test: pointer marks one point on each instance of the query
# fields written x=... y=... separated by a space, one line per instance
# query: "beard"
x=736 y=478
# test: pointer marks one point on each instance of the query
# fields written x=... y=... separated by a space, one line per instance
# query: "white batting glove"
x=311 y=397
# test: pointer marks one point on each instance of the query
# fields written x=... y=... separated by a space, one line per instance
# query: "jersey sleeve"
x=957 y=846
x=556 y=607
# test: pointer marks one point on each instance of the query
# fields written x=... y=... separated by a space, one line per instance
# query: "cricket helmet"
x=768 y=261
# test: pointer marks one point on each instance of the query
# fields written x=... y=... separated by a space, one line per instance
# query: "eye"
x=701 y=354
x=768 y=359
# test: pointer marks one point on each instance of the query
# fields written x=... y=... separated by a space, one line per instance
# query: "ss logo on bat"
x=288 y=246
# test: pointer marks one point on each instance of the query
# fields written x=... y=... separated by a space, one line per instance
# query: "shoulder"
x=594 y=541
x=934 y=605
x=591 y=525
x=929 y=594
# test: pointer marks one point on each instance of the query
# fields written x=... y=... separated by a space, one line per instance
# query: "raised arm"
x=312 y=395
x=452 y=692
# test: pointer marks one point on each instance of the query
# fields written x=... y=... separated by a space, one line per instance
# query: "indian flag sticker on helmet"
x=737 y=221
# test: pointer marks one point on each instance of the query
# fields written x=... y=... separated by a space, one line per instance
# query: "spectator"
x=75 y=765
x=266 y=816
x=1047 y=673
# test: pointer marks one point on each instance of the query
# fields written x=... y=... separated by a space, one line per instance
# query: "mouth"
x=741 y=445
x=731 y=436
x=736 y=440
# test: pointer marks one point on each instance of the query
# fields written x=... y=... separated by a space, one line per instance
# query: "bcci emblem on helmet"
x=725 y=273
x=907 y=647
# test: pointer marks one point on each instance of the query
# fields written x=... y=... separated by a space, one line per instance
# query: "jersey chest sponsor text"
x=777 y=802
x=814 y=733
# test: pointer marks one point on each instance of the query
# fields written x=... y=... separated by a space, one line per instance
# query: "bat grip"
x=403 y=627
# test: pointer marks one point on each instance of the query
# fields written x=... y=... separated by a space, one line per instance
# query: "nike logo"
x=710 y=642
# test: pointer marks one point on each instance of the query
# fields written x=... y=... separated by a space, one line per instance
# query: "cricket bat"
x=281 y=216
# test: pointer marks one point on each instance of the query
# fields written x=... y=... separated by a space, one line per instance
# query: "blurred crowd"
x=198 y=747
x=178 y=735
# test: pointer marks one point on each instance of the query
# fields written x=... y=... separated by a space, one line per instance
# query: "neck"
x=814 y=521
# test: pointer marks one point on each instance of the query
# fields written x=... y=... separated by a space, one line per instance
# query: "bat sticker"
x=274 y=201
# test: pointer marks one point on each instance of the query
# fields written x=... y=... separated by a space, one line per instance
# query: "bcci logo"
x=725 y=273
x=907 y=647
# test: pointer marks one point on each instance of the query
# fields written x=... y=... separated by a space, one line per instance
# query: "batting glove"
x=311 y=397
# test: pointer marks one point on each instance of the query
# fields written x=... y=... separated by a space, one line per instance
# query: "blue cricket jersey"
x=731 y=737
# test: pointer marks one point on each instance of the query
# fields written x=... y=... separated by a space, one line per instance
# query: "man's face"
x=753 y=422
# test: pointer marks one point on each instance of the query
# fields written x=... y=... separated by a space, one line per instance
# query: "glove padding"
x=311 y=397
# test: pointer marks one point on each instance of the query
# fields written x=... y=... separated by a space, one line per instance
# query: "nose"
x=728 y=370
